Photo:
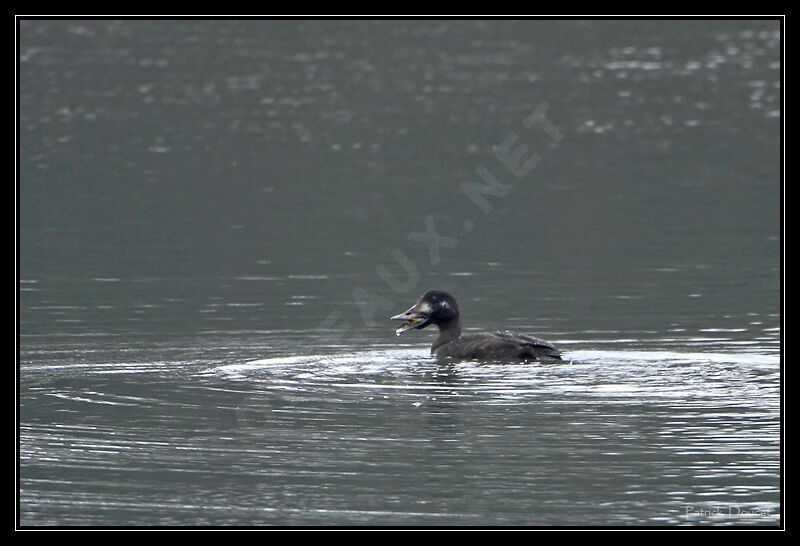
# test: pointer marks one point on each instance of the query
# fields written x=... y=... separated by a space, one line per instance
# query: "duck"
x=440 y=308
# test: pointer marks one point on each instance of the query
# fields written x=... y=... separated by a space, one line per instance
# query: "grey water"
x=217 y=218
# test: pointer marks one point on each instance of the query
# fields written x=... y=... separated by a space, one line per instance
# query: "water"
x=217 y=218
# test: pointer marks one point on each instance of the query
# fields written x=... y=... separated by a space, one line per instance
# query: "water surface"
x=217 y=219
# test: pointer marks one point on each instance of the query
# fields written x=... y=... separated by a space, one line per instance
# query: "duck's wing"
x=500 y=345
x=479 y=347
x=531 y=347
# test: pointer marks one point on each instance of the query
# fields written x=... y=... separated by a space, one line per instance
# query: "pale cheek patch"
x=425 y=308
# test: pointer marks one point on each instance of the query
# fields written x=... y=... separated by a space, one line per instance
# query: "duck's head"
x=434 y=307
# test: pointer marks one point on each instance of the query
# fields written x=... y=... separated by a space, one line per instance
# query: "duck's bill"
x=410 y=320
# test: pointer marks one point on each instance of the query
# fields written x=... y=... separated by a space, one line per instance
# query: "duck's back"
x=500 y=345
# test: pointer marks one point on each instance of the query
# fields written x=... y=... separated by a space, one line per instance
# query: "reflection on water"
x=204 y=206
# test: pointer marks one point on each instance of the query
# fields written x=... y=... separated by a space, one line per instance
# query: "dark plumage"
x=440 y=308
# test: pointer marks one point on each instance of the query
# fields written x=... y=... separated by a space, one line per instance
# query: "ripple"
x=613 y=376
